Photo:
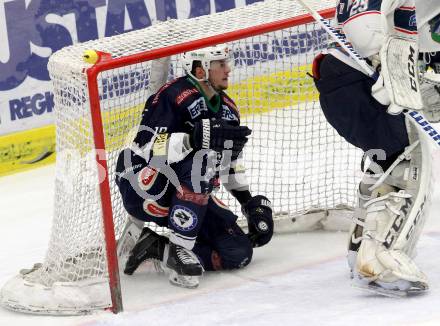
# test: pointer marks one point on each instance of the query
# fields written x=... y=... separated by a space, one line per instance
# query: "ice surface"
x=298 y=279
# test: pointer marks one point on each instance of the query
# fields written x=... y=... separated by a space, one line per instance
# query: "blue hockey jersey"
x=178 y=104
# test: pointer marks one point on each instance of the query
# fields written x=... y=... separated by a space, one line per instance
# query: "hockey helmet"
x=205 y=56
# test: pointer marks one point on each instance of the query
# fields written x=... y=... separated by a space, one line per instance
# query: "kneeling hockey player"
x=190 y=140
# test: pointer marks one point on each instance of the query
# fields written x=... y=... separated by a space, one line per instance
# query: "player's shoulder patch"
x=185 y=94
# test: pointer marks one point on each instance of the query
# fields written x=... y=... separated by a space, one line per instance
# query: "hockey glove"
x=258 y=213
x=218 y=135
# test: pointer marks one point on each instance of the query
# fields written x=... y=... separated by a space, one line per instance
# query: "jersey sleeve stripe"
x=407 y=8
x=405 y=31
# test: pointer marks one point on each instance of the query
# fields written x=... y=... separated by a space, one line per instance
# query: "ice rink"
x=299 y=279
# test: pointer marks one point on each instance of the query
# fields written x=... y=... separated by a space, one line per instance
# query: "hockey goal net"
x=294 y=157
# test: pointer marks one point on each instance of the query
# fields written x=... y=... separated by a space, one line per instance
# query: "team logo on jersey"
x=154 y=209
x=183 y=218
x=196 y=107
x=412 y=21
x=227 y=114
x=146 y=177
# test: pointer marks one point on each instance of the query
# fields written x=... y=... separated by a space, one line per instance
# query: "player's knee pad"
x=146 y=195
x=393 y=214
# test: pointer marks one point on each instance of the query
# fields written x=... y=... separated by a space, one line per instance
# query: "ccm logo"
x=411 y=69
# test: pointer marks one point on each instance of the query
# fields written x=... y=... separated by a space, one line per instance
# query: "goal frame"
x=107 y=63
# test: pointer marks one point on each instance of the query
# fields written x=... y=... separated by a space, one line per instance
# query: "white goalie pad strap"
x=419 y=186
x=430 y=77
x=398 y=218
x=394 y=221
x=431 y=99
x=400 y=71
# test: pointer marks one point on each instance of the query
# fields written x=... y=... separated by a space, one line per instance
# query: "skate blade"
x=184 y=281
x=413 y=288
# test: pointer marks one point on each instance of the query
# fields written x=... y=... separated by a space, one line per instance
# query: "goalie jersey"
x=360 y=21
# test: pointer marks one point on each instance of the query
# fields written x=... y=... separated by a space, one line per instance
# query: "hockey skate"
x=150 y=246
x=387 y=225
x=183 y=266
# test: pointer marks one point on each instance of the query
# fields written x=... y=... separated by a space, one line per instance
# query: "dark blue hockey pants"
x=347 y=103
x=191 y=214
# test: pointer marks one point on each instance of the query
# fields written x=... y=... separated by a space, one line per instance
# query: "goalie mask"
x=205 y=56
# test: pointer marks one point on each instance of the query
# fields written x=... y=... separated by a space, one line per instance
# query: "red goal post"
x=98 y=106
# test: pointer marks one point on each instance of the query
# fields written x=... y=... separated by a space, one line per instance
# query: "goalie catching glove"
x=219 y=135
x=258 y=213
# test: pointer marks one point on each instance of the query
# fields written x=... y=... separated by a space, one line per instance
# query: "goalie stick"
x=421 y=122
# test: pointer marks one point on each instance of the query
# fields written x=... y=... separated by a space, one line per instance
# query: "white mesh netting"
x=294 y=157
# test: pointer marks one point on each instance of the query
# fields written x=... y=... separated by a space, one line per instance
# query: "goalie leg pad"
x=392 y=222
